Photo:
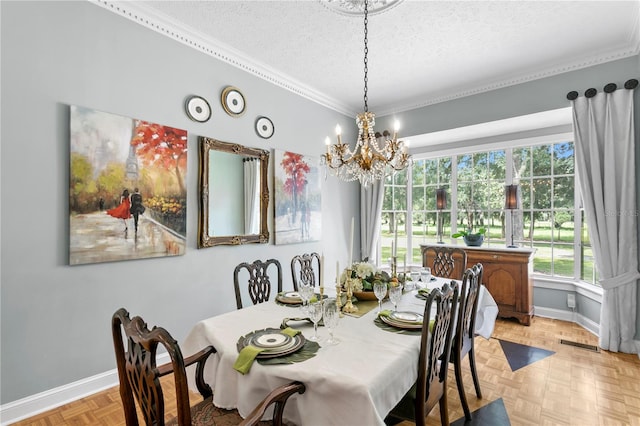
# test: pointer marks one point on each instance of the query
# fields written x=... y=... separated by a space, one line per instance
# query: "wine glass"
x=315 y=312
x=380 y=290
x=330 y=317
x=395 y=294
x=306 y=293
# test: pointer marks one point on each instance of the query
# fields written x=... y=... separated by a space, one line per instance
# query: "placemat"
x=387 y=327
x=308 y=351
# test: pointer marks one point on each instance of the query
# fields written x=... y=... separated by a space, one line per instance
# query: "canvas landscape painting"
x=298 y=202
x=127 y=195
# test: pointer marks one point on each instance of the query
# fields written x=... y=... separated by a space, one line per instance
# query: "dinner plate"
x=290 y=297
x=273 y=341
x=405 y=316
x=401 y=324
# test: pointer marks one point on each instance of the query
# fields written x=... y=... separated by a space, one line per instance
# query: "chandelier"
x=374 y=152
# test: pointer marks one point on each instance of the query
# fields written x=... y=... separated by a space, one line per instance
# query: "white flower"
x=364 y=269
x=356 y=284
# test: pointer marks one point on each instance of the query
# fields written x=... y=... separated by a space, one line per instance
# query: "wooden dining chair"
x=305 y=268
x=463 y=341
x=445 y=262
x=259 y=282
x=140 y=380
x=435 y=345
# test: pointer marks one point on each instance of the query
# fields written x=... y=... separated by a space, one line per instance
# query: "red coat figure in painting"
x=122 y=211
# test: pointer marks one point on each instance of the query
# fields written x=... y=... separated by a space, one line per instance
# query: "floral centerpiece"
x=363 y=276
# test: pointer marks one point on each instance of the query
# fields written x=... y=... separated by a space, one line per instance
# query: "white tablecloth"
x=356 y=382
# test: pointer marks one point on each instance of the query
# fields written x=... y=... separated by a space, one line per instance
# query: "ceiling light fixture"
x=368 y=161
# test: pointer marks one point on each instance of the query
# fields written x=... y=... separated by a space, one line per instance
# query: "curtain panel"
x=605 y=161
x=371 y=198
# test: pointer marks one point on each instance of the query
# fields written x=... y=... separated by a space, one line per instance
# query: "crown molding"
x=525 y=78
x=167 y=26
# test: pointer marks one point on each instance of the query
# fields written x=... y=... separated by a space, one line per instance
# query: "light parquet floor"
x=574 y=386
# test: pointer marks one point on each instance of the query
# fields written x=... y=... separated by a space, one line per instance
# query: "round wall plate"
x=233 y=101
x=198 y=109
x=264 y=127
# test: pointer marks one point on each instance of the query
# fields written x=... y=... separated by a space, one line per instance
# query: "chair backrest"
x=435 y=345
x=305 y=269
x=140 y=376
x=259 y=282
x=445 y=262
x=468 y=306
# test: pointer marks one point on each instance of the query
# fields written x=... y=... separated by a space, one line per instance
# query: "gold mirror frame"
x=207 y=240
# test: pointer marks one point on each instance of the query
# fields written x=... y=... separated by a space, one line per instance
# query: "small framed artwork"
x=198 y=109
x=264 y=127
x=233 y=101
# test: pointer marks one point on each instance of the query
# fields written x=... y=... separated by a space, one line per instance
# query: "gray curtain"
x=371 y=198
x=605 y=161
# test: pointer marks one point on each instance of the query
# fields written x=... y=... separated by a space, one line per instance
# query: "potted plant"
x=471 y=237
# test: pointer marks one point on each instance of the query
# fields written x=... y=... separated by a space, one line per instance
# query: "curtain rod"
x=609 y=88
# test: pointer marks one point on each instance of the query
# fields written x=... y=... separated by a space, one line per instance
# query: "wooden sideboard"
x=507 y=274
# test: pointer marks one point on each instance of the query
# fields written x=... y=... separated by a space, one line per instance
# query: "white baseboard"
x=44 y=401
x=563 y=315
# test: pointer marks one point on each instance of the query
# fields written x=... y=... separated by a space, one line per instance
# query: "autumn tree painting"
x=298 y=201
x=112 y=155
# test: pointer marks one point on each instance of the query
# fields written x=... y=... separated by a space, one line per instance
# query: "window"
x=551 y=219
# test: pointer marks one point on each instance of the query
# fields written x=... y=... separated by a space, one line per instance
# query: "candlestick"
x=393 y=249
x=337 y=272
x=351 y=244
x=348 y=306
x=322 y=270
x=404 y=265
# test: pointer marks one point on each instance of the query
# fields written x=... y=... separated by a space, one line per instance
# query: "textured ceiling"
x=420 y=52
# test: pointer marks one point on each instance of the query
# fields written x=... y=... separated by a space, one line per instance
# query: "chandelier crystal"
x=374 y=153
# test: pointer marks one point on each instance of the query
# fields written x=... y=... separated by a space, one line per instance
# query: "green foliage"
x=480 y=231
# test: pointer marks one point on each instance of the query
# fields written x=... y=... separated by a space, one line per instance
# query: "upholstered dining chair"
x=305 y=269
x=435 y=345
x=463 y=341
x=259 y=281
x=445 y=262
x=140 y=380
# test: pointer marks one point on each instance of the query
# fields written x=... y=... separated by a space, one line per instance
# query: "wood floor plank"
x=574 y=386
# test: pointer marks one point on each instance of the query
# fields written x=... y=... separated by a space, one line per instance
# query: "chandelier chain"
x=366 y=52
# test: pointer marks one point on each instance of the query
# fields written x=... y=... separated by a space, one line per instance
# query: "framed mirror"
x=234 y=194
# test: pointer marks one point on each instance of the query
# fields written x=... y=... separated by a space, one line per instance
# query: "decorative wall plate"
x=264 y=127
x=198 y=109
x=233 y=101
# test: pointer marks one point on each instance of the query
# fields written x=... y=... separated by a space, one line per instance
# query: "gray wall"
x=55 y=317
x=528 y=98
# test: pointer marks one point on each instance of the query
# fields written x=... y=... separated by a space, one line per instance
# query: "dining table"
x=355 y=382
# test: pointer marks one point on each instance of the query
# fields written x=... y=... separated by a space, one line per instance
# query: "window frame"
x=508 y=147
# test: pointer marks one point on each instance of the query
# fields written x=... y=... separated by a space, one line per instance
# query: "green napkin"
x=431 y=324
x=249 y=353
x=313 y=299
x=246 y=357
x=290 y=331
x=424 y=291
x=385 y=313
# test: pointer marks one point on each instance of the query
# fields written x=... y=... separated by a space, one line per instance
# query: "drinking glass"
x=315 y=312
x=306 y=293
x=380 y=290
x=395 y=294
x=425 y=275
x=330 y=317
